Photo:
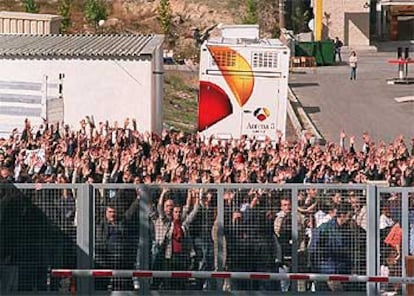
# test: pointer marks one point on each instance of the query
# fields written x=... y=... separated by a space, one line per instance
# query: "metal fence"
x=395 y=233
x=325 y=229
x=37 y=231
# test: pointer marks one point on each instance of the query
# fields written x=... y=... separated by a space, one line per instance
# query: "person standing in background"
x=353 y=60
x=337 y=49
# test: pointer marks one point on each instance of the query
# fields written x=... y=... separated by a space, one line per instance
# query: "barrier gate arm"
x=100 y=273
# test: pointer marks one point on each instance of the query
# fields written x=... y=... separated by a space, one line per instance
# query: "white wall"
x=107 y=89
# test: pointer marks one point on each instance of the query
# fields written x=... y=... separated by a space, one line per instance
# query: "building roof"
x=29 y=16
x=82 y=46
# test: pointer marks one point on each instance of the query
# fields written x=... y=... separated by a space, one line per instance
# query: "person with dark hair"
x=337 y=49
x=113 y=245
x=330 y=247
x=353 y=61
x=177 y=239
x=202 y=239
x=258 y=219
x=282 y=228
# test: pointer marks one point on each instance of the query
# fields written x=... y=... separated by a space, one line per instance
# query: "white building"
x=66 y=77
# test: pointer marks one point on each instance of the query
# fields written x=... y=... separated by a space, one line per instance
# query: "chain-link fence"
x=334 y=223
x=37 y=232
x=116 y=239
x=183 y=234
x=327 y=229
x=395 y=212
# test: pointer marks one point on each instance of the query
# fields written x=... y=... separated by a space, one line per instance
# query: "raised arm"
x=160 y=205
x=191 y=214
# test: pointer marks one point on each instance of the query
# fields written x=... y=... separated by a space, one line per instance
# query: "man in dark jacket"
x=113 y=245
x=330 y=247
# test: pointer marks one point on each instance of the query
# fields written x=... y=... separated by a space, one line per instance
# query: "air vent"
x=265 y=59
x=224 y=58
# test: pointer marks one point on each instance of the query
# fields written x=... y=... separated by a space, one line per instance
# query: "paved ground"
x=334 y=102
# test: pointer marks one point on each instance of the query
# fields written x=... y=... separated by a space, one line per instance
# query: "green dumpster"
x=322 y=51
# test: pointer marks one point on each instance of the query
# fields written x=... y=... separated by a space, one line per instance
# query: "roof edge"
x=29 y=16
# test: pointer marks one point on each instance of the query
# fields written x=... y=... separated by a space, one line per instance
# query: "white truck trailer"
x=243 y=84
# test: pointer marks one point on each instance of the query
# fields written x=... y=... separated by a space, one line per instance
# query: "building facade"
x=361 y=23
x=394 y=20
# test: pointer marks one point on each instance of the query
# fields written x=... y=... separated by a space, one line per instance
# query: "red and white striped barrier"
x=99 y=273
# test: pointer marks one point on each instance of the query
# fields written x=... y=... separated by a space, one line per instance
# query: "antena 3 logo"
x=261 y=113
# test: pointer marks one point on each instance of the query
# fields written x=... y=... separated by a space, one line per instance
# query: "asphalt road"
x=334 y=102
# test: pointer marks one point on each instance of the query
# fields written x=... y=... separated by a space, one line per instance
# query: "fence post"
x=220 y=234
x=372 y=238
x=294 y=203
x=405 y=240
x=144 y=238
x=84 y=236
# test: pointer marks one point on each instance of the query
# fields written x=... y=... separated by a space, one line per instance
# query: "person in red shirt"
x=177 y=251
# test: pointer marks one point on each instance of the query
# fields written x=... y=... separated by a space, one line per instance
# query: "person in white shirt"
x=353 y=60
x=385 y=219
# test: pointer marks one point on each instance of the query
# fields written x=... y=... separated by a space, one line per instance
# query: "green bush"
x=30 y=6
x=251 y=16
x=164 y=16
x=95 y=10
x=65 y=10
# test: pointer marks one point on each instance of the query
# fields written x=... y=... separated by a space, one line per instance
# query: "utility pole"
x=282 y=14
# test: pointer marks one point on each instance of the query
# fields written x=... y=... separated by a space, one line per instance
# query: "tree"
x=164 y=16
x=30 y=6
x=251 y=16
x=300 y=16
x=65 y=10
x=95 y=10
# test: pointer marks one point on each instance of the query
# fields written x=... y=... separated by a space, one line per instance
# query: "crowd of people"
x=122 y=154
x=183 y=224
x=256 y=234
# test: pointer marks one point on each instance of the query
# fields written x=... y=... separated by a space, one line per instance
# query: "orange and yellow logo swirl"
x=236 y=71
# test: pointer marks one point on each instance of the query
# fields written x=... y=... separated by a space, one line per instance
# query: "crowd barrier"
x=50 y=232
x=97 y=273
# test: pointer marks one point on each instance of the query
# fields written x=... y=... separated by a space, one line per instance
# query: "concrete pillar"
x=378 y=22
x=318 y=20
